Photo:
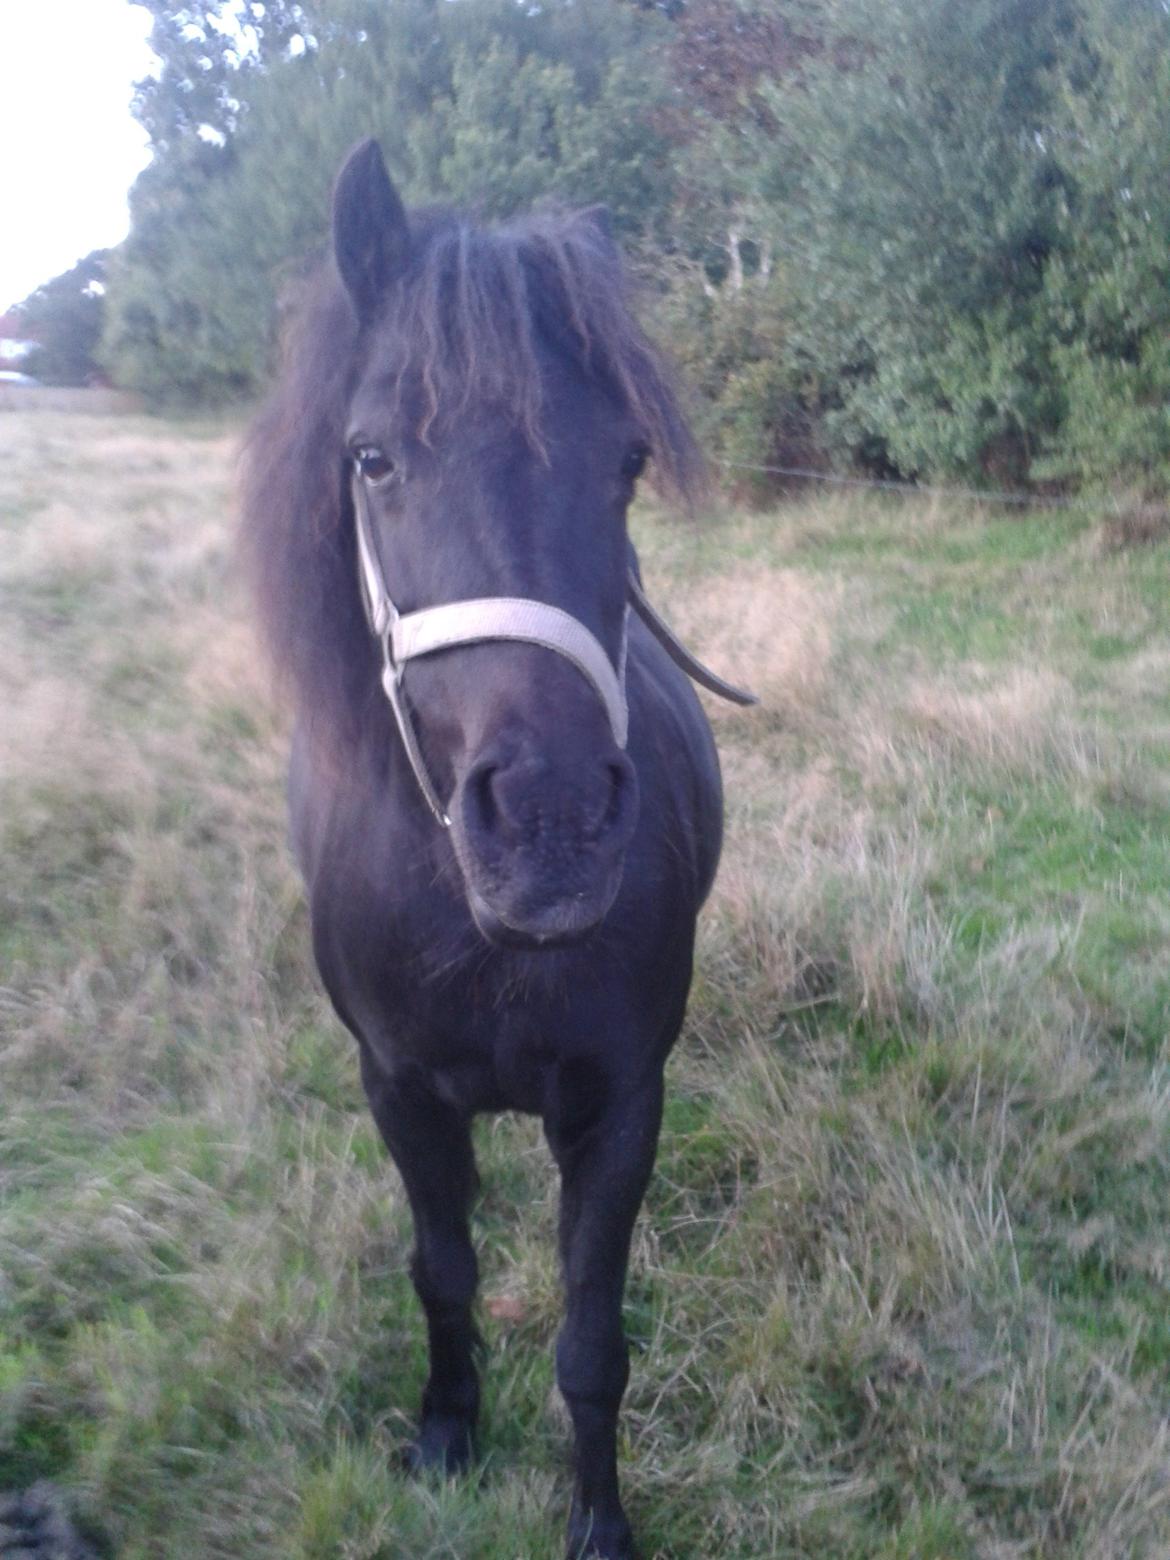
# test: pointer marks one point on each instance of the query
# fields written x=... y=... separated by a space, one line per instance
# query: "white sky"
x=69 y=150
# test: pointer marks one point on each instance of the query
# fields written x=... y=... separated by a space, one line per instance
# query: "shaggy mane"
x=467 y=318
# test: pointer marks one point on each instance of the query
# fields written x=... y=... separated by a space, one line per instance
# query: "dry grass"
x=39 y=399
x=767 y=628
x=901 y=1286
x=1013 y=721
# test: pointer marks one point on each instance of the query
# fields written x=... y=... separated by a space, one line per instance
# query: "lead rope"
x=678 y=652
x=402 y=638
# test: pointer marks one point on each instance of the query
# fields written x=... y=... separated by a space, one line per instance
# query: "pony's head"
x=491 y=395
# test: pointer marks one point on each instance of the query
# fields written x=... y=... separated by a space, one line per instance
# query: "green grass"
x=902 y=1282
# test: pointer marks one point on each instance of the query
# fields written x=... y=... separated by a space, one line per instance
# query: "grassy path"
x=902 y=1287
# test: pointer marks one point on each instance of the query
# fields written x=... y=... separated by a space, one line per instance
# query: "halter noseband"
x=403 y=637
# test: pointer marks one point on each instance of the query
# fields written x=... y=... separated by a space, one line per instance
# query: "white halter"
x=402 y=638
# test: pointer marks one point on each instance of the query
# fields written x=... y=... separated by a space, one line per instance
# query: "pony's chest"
x=483 y=1050
x=480 y=1023
x=516 y=1073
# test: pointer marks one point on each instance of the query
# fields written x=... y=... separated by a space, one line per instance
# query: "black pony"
x=482 y=402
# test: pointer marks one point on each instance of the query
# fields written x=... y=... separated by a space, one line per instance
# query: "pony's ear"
x=371 y=236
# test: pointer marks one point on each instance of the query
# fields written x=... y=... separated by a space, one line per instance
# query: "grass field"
x=902 y=1287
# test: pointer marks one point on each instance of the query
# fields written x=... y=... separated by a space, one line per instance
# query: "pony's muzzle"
x=542 y=839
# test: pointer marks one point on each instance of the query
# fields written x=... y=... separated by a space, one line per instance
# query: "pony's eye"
x=374 y=464
x=635 y=462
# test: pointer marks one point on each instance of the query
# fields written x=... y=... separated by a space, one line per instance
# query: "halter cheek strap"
x=405 y=637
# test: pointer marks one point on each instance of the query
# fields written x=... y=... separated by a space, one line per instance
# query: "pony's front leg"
x=430 y=1143
x=605 y=1150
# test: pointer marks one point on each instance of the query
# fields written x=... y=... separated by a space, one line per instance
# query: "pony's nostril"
x=518 y=801
x=483 y=800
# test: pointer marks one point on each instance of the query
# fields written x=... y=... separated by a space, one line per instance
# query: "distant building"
x=14 y=342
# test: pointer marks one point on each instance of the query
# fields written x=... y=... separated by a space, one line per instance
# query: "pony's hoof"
x=444 y=1444
x=600 y=1540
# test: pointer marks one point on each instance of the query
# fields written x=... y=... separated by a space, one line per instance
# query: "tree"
x=914 y=194
x=64 y=317
x=481 y=102
x=1108 y=288
x=207 y=53
x=896 y=234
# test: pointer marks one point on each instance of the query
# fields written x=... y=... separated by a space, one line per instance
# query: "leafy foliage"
x=1108 y=291
x=208 y=54
x=916 y=200
x=892 y=234
x=479 y=102
x=758 y=400
x=64 y=317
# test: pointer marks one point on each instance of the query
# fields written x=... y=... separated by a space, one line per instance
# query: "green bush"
x=1108 y=291
x=891 y=235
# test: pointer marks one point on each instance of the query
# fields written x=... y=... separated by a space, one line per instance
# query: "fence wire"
x=977 y=495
